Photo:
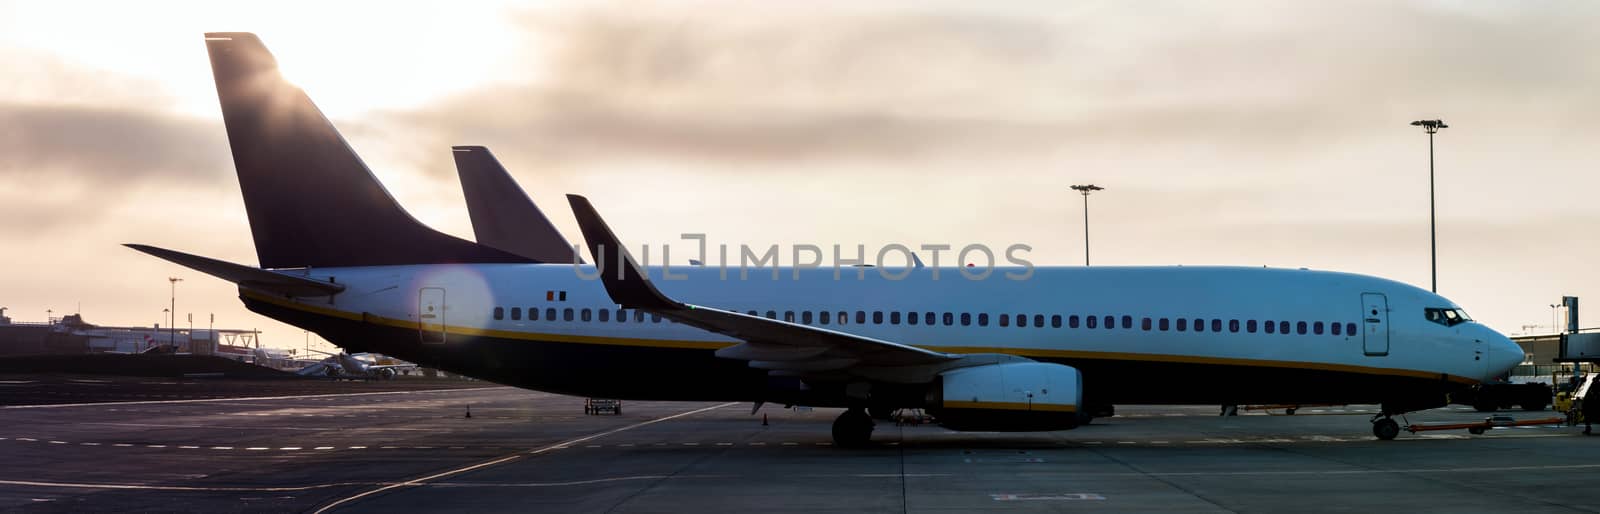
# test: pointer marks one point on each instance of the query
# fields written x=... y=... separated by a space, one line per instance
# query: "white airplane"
x=340 y=257
x=347 y=365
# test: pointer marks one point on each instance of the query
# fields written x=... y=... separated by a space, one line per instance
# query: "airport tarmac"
x=414 y=449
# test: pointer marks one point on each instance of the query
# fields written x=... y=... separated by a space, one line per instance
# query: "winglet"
x=629 y=286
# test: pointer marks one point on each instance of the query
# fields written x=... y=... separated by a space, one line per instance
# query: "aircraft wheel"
x=1475 y=430
x=1289 y=411
x=853 y=428
x=1385 y=429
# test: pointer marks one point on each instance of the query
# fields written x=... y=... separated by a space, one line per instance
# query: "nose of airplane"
x=1504 y=354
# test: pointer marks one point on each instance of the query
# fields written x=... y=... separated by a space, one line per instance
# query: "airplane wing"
x=254 y=278
x=782 y=348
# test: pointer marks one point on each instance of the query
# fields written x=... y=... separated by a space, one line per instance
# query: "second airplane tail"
x=310 y=199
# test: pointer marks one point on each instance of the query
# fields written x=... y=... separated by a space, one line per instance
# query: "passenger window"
x=1163 y=323
x=788 y=316
x=1350 y=328
x=1216 y=325
x=844 y=317
x=584 y=315
x=1336 y=328
x=533 y=314
x=1127 y=321
x=605 y=314
x=983 y=319
x=752 y=313
x=550 y=314
x=824 y=317
x=1199 y=325
x=1300 y=328
x=928 y=319
x=1316 y=328
x=622 y=316
x=894 y=317
x=1250 y=326
x=1055 y=321
x=1183 y=324
x=805 y=317
x=638 y=316
x=949 y=319
x=1072 y=321
x=966 y=319
x=1005 y=320
x=566 y=314
x=861 y=317
x=1233 y=325
x=1111 y=322
x=877 y=317
x=911 y=318
x=1145 y=324
x=772 y=314
x=1283 y=327
x=1272 y=328
x=1092 y=321
x=499 y=313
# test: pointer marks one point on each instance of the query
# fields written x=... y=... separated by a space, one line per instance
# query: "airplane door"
x=430 y=315
x=1375 y=319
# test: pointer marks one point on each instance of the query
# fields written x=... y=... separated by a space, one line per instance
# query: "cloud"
x=779 y=86
x=107 y=146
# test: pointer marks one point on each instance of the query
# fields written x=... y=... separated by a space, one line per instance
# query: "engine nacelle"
x=1012 y=397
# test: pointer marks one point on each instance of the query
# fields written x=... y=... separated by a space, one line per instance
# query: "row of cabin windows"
x=571 y=314
x=966 y=319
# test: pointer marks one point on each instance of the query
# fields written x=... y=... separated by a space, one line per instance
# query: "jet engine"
x=1011 y=397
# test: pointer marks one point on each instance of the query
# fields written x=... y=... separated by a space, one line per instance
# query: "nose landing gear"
x=1385 y=428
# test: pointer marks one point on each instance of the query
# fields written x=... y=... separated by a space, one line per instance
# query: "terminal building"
x=71 y=335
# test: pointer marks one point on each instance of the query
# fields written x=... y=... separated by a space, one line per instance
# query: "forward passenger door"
x=1375 y=320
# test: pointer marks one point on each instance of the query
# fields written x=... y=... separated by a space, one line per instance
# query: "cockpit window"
x=1446 y=317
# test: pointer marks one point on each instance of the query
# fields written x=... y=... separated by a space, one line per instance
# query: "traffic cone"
x=469 y=412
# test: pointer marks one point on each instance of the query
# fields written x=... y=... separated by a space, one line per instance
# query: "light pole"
x=1086 y=189
x=1432 y=127
x=172 y=325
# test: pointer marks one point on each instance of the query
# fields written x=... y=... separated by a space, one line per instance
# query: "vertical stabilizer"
x=310 y=199
x=503 y=216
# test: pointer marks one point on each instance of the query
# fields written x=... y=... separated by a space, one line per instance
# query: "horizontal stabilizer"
x=254 y=278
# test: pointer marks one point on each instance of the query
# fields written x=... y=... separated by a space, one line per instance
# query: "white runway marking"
x=249 y=399
x=425 y=480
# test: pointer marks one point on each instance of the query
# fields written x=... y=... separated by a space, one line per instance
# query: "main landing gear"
x=853 y=428
x=1385 y=427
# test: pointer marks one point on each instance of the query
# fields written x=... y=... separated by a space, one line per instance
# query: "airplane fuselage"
x=1203 y=335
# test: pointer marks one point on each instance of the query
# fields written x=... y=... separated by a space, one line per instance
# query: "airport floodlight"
x=1085 y=189
x=1432 y=127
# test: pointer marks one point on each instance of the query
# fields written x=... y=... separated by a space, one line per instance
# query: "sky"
x=1238 y=133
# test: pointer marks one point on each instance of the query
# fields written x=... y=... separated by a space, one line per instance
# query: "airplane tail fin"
x=503 y=216
x=310 y=199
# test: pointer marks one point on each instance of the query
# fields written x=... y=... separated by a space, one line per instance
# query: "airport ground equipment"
x=595 y=406
x=1480 y=427
x=1492 y=396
